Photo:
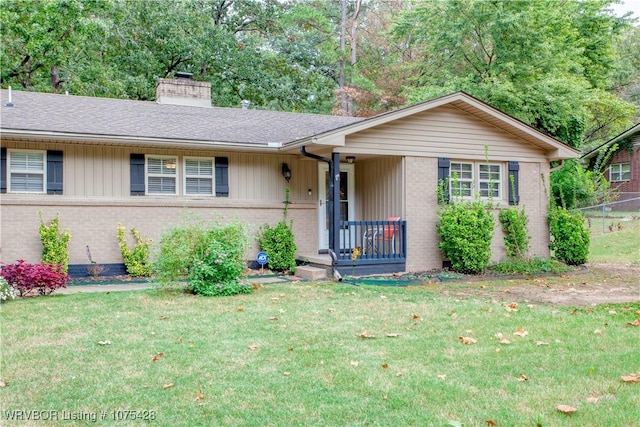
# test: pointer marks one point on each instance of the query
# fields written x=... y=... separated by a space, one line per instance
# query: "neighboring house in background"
x=98 y=162
x=621 y=167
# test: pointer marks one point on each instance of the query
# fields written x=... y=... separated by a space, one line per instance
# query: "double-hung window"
x=161 y=175
x=27 y=171
x=469 y=179
x=461 y=179
x=619 y=172
x=198 y=173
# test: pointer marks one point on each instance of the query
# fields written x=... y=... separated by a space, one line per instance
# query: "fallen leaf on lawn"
x=542 y=343
x=442 y=376
x=634 y=323
x=385 y=365
x=523 y=377
x=3 y=384
x=392 y=335
x=399 y=374
x=598 y=332
x=467 y=340
x=240 y=308
x=275 y=299
x=383 y=297
x=286 y=374
x=454 y=423
x=104 y=342
x=453 y=315
x=567 y=409
x=199 y=396
x=354 y=363
x=366 y=335
x=512 y=307
x=593 y=399
x=254 y=346
x=385 y=397
x=520 y=331
x=255 y=286
x=631 y=378
x=331 y=310
x=499 y=335
x=157 y=356
x=290 y=349
x=164 y=317
x=505 y=341
x=281 y=311
x=491 y=423
x=414 y=316
x=273 y=318
x=613 y=312
x=166 y=386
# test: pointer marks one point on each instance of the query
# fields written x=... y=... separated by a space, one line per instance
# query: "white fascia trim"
x=135 y=140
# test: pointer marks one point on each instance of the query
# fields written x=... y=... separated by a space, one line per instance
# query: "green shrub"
x=7 y=292
x=211 y=258
x=465 y=230
x=279 y=244
x=137 y=261
x=514 y=224
x=533 y=265
x=55 y=244
x=569 y=236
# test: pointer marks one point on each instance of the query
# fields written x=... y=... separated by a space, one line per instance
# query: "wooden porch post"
x=334 y=224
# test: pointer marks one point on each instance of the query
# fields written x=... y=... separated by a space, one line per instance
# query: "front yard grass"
x=318 y=354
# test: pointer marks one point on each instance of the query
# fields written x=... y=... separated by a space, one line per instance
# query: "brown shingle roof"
x=81 y=115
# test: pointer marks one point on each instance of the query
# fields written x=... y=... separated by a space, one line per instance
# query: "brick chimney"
x=183 y=91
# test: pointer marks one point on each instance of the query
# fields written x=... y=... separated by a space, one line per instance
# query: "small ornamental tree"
x=466 y=230
x=137 y=260
x=516 y=239
x=55 y=243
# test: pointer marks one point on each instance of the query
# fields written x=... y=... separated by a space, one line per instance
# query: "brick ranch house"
x=622 y=167
x=99 y=162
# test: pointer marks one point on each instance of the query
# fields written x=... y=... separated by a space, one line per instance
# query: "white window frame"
x=464 y=183
x=475 y=183
x=619 y=172
x=494 y=184
x=11 y=170
x=212 y=176
x=162 y=175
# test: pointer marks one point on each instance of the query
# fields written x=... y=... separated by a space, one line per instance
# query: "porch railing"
x=377 y=240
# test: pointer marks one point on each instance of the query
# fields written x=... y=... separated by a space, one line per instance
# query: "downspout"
x=330 y=202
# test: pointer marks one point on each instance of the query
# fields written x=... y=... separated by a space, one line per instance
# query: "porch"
x=366 y=247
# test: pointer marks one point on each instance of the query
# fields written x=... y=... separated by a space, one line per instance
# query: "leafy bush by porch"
x=569 y=236
x=210 y=258
x=279 y=244
x=466 y=230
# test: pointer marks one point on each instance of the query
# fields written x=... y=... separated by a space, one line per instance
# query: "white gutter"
x=136 y=140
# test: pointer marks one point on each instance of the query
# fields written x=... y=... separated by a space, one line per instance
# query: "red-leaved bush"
x=27 y=278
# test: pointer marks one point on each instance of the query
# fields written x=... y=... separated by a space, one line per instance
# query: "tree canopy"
x=571 y=69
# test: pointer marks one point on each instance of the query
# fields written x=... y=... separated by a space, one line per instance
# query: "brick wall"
x=94 y=223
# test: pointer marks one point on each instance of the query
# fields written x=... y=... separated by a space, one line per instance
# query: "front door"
x=347 y=205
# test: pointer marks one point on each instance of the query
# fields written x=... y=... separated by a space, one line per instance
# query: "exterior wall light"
x=351 y=159
x=286 y=172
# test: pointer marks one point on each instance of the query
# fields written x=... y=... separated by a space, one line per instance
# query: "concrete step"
x=311 y=273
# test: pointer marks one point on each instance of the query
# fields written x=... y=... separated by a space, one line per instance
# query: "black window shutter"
x=514 y=185
x=137 y=174
x=443 y=177
x=222 y=176
x=3 y=170
x=54 y=172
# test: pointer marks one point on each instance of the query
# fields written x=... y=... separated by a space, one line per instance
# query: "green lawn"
x=620 y=242
x=294 y=354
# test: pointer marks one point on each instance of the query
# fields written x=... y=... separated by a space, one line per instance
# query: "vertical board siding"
x=104 y=171
x=379 y=188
